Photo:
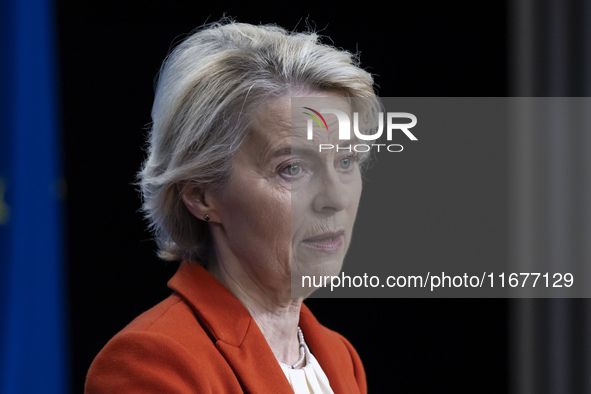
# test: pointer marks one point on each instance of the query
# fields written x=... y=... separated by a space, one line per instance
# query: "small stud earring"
x=207 y=218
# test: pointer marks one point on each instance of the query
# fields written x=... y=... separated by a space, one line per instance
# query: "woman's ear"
x=197 y=201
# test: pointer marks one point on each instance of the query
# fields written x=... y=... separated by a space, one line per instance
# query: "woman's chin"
x=310 y=275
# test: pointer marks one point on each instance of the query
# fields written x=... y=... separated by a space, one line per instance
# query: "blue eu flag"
x=32 y=317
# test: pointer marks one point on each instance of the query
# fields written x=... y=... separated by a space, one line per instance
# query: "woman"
x=234 y=189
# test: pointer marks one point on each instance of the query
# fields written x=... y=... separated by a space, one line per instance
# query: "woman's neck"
x=275 y=313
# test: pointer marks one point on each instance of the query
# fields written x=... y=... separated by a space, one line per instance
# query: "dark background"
x=110 y=52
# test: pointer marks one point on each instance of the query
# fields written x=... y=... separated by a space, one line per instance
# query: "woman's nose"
x=332 y=195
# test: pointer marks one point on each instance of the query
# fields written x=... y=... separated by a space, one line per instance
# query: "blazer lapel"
x=255 y=365
x=331 y=353
x=233 y=330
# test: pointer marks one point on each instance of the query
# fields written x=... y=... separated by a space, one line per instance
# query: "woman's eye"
x=346 y=163
x=293 y=170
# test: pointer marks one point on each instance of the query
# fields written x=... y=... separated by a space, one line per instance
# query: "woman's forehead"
x=281 y=125
x=289 y=116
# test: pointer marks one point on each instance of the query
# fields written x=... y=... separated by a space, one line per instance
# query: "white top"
x=308 y=380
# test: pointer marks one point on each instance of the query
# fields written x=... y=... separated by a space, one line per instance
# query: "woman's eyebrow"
x=286 y=150
x=289 y=150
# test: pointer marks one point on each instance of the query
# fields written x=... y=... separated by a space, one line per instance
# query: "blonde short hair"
x=209 y=89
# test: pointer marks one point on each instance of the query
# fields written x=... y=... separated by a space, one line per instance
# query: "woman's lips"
x=327 y=241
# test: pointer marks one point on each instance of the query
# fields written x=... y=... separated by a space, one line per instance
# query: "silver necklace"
x=302 y=352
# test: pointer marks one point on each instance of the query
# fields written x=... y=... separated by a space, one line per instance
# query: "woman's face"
x=288 y=207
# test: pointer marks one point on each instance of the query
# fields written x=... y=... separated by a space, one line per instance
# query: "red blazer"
x=201 y=339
